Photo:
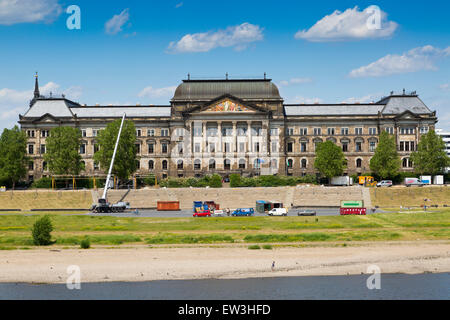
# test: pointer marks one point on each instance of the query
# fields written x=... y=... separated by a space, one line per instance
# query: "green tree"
x=330 y=160
x=41 y=231
x=386 y=161
x=430 y=157
x=13 y=158
x=63 y=151
x=126 y=158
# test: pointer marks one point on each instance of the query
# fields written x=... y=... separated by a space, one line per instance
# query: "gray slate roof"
x=205 y=90
x=117 y=112
x=400 y=104
x=333 y=110
x=58 y=108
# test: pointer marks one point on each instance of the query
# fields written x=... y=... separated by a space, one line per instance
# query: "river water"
x=393 y=286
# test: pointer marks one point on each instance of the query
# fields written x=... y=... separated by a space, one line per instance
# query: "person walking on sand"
x=273 y=266
x=228 y=212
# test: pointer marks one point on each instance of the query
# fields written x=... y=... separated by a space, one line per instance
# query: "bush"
x=216 y=181
x=41 y=231
x=85 y=243
x=44 y=183
x=254 y=247
x=235 y=180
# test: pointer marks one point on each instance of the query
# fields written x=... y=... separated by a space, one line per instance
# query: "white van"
x=278 y=212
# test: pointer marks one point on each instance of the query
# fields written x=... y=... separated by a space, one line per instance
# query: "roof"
x=59 y=108
x=332 y=109
x=398 y=104
x=116 y=112
x=204 y=90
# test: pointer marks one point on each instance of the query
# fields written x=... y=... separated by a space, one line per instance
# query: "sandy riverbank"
x=147 y=264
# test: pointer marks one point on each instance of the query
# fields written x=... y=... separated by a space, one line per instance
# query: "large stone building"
x=233 y=126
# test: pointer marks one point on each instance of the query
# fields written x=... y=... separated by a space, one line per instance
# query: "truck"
x=103 y=206
x=409 y=182
x=352 y=208
x=342 y=181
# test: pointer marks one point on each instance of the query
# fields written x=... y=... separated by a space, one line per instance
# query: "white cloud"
x=115 y=24
x=150 y=92
x=365 y=99
x=417 y=59
x=445 y=87
x=236 y=36
x=351 y=24
x=293 y=81
x=28 y=11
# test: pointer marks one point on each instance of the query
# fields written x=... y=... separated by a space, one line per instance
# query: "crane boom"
x=108 y=179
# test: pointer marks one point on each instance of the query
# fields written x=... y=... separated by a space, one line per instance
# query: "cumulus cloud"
x=150 y=92
x=28 y=11
x=417 y=59
x=352 y=24
x=235 y=36
x=115 y=24
x=293 y=81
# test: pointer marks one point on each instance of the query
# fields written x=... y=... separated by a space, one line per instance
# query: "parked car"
x=282 y=212
x=385 y=183
x=204 y=213
x=307 y=213
x=413 y=182
x=243 y=212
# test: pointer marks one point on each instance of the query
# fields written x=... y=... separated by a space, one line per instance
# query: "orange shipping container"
x=168 y=206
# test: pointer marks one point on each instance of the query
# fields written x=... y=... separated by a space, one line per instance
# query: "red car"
x=204 y=213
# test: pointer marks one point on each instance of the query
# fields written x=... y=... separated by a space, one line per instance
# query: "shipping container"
x=168 y=206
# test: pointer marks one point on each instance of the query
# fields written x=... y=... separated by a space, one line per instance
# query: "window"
x=211 y=131
x=45 y=133
x=30 y=133
x=151 y=165
x=424 y=130
x=198 y=131
x=407 y=130
x=227 y=131
x=317 y=131
x=151 y=132
x=242 y=147
x=180 y=132
x=304 y=163
x=94 y=133
x=290 y=131
x=164 y=132
x=242 y=131
x=31 y=166
x=290 y=163
x=212 y=147
x=358 y=131
x=83 y=149
x=407 y=146
x=139 y=133
x=226 y=147
x=358 y=146
x=164 y=165
x=227 y=164
x=138 y=148
x=197 y=148
x=256 y=147
x=389 y=130
x=372 y=146
x=138 y=165
x=151 y=148
x=331 y=131
x=345 y=146
x=43 y=149
x=212 y=164
x=274 y=146
x=45 y=166
x=407 y=163
x=197 y=165
x=344 y=131
x=303 y=131
x=180 y=147
x=359 y=163
x=303 y=147
x=180 y=165
x=373 y=131
x=256 y=131
x=83 y=133
x=274 y=132
x=242 y=164
x=164 y=148
x=290 y=147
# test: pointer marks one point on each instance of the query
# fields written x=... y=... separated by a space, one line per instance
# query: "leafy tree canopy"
x=13 y=155
x=430 y=157
x=330 y=160
x=386 y=161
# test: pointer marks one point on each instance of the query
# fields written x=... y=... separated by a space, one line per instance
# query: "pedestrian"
x=273 y=266
x=228 y=212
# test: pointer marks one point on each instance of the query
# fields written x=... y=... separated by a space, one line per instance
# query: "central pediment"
x=227 y=105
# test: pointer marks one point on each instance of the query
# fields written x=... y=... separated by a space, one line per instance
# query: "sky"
x=137 y=52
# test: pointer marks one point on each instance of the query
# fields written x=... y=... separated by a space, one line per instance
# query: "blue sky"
x=129 y=52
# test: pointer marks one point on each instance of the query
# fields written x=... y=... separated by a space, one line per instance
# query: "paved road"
x=189 y=213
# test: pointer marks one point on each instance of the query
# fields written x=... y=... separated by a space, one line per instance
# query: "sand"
x=148 y=264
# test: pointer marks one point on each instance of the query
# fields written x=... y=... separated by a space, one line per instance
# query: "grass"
x=39 y=199
x=409 y=197
x=70 y=230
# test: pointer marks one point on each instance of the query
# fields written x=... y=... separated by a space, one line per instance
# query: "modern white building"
x=446 y=137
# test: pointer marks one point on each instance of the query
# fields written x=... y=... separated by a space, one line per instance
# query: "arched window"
x=151 y=165
x=227 y=164
x=197 y=164
x=290 y=163
x=407 y=163
x=242 y=164
x=212 y=164
x=304 y=163
x=359 y=163
x=164 y=165
x=180 y=165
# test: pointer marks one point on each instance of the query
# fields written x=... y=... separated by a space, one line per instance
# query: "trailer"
x=342 y=181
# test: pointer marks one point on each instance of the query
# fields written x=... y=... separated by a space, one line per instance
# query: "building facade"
x=233 y=126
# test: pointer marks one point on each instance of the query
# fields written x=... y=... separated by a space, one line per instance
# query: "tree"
x=126 y=158
x=330 y=160
x=41 y=231
x=63 y=151
x=13 y=158
x=386 y=161
x=430 y=157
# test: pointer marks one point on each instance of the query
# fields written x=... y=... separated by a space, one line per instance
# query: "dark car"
x=307 y=213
